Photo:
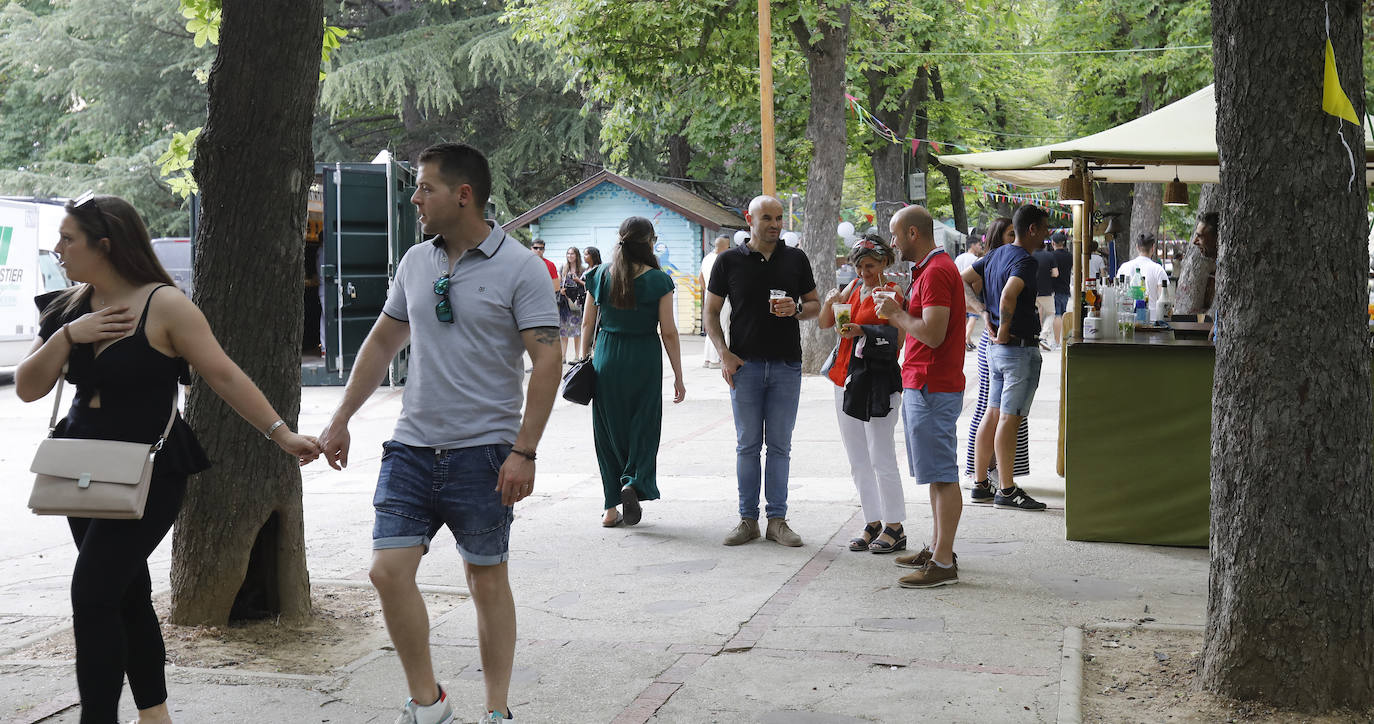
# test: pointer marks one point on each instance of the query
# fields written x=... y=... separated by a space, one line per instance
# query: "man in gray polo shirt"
x=470 y=301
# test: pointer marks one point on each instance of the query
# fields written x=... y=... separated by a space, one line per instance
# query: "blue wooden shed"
x=589 y=214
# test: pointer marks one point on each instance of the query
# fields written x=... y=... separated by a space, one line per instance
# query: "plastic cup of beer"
x=773 y=296
x=879 y=296
x=843 y=314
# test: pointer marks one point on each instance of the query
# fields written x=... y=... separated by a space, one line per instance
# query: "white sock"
x=941 y=565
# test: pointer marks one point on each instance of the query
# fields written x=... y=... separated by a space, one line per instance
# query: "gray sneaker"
x=747 y=530
x=437 y=713
x=779 y=531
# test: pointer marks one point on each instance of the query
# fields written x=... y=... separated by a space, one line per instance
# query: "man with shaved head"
x=932 y=388
x=770 y=287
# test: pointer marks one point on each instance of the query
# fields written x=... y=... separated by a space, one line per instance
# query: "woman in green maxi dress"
x=632 y=299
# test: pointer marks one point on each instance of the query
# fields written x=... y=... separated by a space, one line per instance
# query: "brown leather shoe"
x=919 y=559
x=781 y=533
x=747 y=530
x=930 y=576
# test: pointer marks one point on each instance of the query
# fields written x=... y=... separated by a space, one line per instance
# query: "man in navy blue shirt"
x=1006 y=278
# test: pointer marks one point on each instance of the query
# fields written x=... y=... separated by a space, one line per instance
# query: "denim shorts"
x=421 y=489
x=929 y=420
x=1013 y=376
x=1061 y=303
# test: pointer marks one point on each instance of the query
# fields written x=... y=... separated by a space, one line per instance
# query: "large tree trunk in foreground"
x=239 y=548
x=825 y=128
x=1290 y=612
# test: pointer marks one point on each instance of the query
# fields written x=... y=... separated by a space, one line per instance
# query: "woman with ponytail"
x=632 y=300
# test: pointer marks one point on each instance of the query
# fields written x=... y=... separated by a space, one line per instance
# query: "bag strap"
x=57 y=405
x=57 y=401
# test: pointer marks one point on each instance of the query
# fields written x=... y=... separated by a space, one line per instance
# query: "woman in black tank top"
x=126 y=342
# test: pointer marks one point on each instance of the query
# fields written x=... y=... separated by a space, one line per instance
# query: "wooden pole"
x=770 y=173
x=1073 y=324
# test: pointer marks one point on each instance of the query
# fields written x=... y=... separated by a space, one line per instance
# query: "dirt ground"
x=347 y=624
x=1146 y=675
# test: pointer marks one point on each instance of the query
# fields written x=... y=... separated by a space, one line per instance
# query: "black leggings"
x=113 y=620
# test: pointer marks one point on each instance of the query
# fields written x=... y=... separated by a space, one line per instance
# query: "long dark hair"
x=636 y=249
x=130 y=252
x=595 y=254
x=577 y=263
x=996 y=230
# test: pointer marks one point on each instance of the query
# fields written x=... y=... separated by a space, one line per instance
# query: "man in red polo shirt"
x=933 y=388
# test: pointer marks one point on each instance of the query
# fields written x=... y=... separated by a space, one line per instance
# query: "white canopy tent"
x=1178 y=140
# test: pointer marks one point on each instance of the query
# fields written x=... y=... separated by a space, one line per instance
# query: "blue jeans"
x=764 y=400
x=1013 y=379
x=420 y=490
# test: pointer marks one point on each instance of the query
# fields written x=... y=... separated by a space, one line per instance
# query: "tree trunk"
x=1147 y=210
x=889 y=183
x=1116 y=199
x=825 y=65
x=1191 y=295
x=956 y=196
x=239 y=547
x=679 y=157
x=1290 y=615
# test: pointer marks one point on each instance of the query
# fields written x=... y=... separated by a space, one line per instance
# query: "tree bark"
x=1290 y=615
x=239 y=547
x=1147 y=210
x=1191 y=295
x=1116 y=199
x=956 y=196
x=825 y=66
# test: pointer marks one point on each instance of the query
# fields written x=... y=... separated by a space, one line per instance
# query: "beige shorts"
x=1045 y=305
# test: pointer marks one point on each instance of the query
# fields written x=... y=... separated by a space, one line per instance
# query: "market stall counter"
x=1137 y=458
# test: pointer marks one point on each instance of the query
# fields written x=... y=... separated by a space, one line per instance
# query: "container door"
x=369 y=224
x=404 y=233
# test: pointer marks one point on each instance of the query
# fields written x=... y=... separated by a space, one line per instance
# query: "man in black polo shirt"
x=1006 y=277
x=770 y=287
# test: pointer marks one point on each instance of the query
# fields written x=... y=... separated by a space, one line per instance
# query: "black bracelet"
x=527 y=455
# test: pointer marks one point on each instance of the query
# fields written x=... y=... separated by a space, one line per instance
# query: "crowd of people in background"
x=471 y=303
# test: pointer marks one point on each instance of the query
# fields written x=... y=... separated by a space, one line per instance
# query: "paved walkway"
x=660 y=622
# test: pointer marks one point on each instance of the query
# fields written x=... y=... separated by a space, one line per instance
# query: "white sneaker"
x=437 y=713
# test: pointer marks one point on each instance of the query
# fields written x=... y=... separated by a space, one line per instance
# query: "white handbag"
x=93 y=478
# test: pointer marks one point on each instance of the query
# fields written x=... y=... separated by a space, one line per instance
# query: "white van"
x=28 y=267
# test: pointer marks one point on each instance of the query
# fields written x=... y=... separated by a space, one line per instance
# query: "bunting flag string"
x=887 y=134
x=1334 y=99
x=1045 y=199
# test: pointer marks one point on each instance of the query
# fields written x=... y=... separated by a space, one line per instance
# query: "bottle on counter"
x=1092 y=326
x=1164 y=307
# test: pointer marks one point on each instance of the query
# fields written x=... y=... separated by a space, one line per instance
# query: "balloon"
x=791 y=238
x=845 y=229
x=740 y=236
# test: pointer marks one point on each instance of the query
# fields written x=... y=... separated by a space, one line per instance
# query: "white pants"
x=872 y=452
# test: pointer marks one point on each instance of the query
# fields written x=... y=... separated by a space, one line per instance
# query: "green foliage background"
x=94 y=92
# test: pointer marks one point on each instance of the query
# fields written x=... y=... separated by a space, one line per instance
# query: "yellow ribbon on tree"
x=1334 y=99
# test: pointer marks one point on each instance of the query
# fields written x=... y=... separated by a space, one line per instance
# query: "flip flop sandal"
x=629 y=501
x=870 y=532
x=881 y=546
x=615 y=523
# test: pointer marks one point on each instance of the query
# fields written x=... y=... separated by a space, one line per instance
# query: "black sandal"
x=870 y=532
x=881 y=546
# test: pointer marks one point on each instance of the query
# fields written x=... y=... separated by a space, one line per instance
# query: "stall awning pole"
x=1073 y=323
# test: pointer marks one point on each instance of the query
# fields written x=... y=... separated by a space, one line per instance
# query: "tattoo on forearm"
x=546 y=335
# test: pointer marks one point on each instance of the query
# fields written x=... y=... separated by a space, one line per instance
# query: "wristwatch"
x=797 y=307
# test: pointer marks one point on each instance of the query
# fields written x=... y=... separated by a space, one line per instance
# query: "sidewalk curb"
x=1071 y=664
x=1071 y=677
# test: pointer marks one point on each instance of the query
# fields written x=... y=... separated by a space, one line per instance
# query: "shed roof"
x=680 y=200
